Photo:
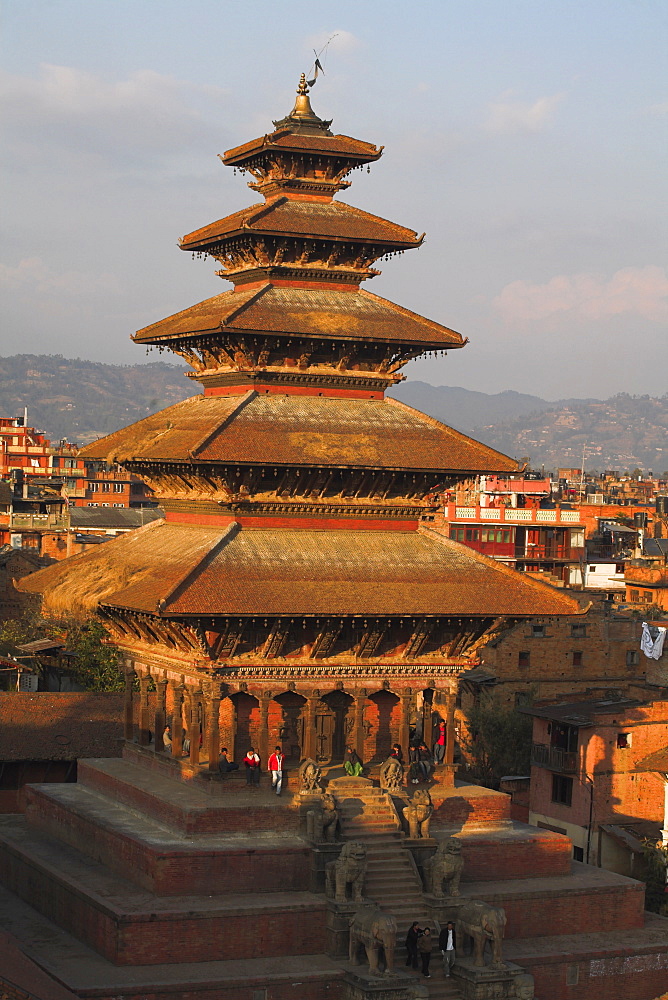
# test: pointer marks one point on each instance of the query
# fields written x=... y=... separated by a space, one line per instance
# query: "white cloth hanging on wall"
x=652 y=640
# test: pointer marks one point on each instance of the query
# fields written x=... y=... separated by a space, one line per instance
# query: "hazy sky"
x=527 y=137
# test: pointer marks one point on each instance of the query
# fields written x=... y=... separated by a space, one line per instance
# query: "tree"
x=656 y=877
x=496 y=742
x=95 y=664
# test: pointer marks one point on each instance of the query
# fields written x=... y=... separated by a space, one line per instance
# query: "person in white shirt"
x=447 y=942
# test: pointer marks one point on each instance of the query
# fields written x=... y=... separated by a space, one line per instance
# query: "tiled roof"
x=187 y=570
x=299 y=430
x=332 y=144
x=329 y=220
x=60 y=726
x=334 y=315
x=657 y=761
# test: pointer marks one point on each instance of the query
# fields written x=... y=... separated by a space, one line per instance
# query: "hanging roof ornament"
x=302 y=118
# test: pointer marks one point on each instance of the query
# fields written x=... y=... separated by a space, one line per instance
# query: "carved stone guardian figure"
x=309 y=778
x=349 y=869
x=322 y=822
x=483 y=923
x=377 y=932
x=418 y=814
x=524 y=987
x=446 y=865
x=391 y=776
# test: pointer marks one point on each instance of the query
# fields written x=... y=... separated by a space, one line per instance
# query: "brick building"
x=588 y=779
x=551 y=659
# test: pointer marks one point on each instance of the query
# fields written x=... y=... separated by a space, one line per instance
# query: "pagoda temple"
x=300 y=590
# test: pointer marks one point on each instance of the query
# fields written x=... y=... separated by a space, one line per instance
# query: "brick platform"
x=586 y=901
x=156 y=857
x=129 y=927
x=89 y=976
x=186 y=807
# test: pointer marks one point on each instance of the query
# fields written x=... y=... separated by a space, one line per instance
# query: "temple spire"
x=303 y=118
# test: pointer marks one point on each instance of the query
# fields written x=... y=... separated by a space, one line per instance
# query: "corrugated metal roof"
x=301 y=431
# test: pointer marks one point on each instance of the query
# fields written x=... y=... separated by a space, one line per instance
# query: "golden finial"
x=302 y=88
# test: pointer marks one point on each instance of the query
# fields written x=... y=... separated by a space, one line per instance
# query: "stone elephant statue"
x=348 y=869
x=446 y=865
x=377 y=931
x=483 y=923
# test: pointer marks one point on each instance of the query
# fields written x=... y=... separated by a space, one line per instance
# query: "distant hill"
x=618 y=433
x=84 y=400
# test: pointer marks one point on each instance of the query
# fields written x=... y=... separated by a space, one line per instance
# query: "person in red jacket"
x=275 y=765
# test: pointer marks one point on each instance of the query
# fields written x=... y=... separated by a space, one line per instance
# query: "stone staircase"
x=368 y=814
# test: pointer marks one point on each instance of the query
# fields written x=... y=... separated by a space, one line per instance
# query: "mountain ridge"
x=81 y=400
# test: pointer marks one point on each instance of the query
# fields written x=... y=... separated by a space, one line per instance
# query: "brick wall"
x=551 y=674
x=635 y=977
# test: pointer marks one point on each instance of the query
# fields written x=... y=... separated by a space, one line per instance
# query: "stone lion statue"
x=349 y=869
x=418 y=814
x=446 y=865
x=322 y=823
x=391 y=776
x=309 y=777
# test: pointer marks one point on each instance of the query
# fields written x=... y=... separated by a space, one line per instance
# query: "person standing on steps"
x=447 y=942
x=412 y=938
x=425 y=944
x=439 y=745
x=252 y=763
x=275 y=765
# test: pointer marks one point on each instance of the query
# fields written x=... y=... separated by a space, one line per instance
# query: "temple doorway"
x=331 y=731
x=290 y=728
x=246 y=729
x=383 y=705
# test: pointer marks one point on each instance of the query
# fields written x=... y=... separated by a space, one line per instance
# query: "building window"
x=457 y=534
x=578 y=631
x=522 y=699
x=623 y=741
x=119 y=487
x=537 y=631
x=577 y=657
x=633 y=596
x=93 y=505
x=106 y=487
x=632 y=657
x=578 y=854
x=473 y=534
x=104 y=505
x=562 y=789
x=646 y=596
x=92 y=487
x=118 y=505
x=523 y=658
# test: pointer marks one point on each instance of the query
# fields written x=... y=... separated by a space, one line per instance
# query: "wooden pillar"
x=263 y=748
x=129 y=719
x=144 y=715
x=160 y=714
x=406 y=698
x=358 y=730
x=213 y=728
x=193 y=725
x=177 y=720
x=308 y=749
x=450 y=730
